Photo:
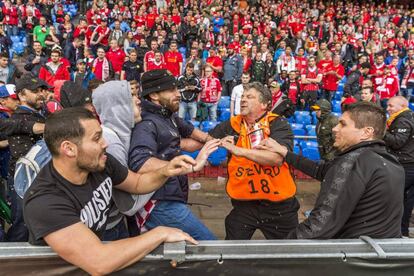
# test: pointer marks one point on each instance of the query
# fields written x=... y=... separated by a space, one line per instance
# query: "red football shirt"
x=172 y=61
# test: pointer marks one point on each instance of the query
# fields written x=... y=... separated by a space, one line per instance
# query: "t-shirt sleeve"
x=48 y=213
x=115 y=170
x=281 y=132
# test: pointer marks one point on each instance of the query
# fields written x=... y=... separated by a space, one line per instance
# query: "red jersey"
x=150 y=20
x=149 y=58
x=11 y=16
x=377 y=69
x=117 y=58
x=330 y=81
x=311 y=74
x=388 y=87
x=210 y=90
x=154 y=65
x=104 y=32
x=301 y=63
x=216 y=62
x=293 y=91
x=172 y=61
x=140 y=20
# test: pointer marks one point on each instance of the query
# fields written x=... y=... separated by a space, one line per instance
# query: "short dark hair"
x=371 y=90
x=4 y=55
x=367 y=114
x=65 y=125
x=56 y=51
x=265 y=96
x=93 y=84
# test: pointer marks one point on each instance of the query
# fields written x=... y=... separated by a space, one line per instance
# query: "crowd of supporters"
x=301 y=50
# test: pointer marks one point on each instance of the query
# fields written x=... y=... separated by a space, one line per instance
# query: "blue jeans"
x=18 y=231
x=190 y=107
x=212 y=111
x=177 y=214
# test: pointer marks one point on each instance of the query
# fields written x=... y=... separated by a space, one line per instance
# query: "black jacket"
x=20 y=144
x=400 y=138
x=361 y=193
x=158 y=135
x=35 y=68
x=352 y=85
x=188 y=95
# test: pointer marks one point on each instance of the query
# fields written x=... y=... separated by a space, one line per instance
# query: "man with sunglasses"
x=30 y=92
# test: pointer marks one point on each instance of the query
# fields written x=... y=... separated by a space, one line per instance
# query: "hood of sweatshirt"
x=113 y=103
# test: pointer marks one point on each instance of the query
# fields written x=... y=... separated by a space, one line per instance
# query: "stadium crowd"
x=311 y=55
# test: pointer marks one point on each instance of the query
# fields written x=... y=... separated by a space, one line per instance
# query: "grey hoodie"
x=113 y=103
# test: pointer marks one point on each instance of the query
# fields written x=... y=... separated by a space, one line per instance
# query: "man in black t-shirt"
x=68 y=204
x=132 y=69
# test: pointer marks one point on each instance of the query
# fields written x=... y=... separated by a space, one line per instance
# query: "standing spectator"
x=82 y=76
x=29 y=91
x=157 y=62
x=116 y=57
x=291 y=87
x=388 y=87
x=116 y=33
x=407 y=83
x=286 y=61
x=368 y=95
x=174 y=59
x=259 y=69
x=41 y=31
x=5 y=41
x=196 y=61
x=73 y=51
x=36 y=60
x=399 y=141
x=215 y=62
x=326 y=122
x=232 y=69
x=150 y=55
x=310 y=79
x=11 y=18
x=333 y=74
x=189 y=87
x=54 y=70
x=132 y=69
x=270 y=68
x=8 y=71
x=102 y=67
x=210 y=92
x=377 y=71
x=100 y=36
x=353 y=82
x=237 y=93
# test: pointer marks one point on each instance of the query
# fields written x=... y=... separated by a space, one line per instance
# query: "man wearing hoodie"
x=326 y=122
x=157 y=139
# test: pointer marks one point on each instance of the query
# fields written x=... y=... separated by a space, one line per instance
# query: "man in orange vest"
x=260 y=184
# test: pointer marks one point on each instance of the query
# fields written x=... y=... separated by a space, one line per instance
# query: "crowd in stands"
x=302 y=50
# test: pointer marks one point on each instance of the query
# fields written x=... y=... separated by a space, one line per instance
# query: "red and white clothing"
x=388 y=87
x=51 y=73
x=379 y=70
x=293 y=91
x=156 y=65
x=210 y=90
x=11 y=16
x=149 y=59
x=330 y=81
x=301 y=63
x=311 y=73
x=408 y=79
x=117 y=58
x=173 y=60
x=104 y=31
x=216 y=62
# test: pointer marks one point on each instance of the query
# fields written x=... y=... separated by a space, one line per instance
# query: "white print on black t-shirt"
x=96 y=210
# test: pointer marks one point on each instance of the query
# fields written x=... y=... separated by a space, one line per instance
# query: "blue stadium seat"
x=224 y=115
x=291 y=120
x=303 y=117
x=340 y=87
x=15 y=39
x=311 y=153
x=218 y=157
x=304 y=144
x=311 y=130
x=195 y=123
x=411 y=105
x=296 y=149
x=299 y=132
x=337 y=96
x=192 y=154
x=224 y=102
x=314 y=118
x=336 y=106
x=337 y=114
x=207 y=125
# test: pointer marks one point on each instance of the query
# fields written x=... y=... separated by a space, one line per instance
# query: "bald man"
x=399 y=138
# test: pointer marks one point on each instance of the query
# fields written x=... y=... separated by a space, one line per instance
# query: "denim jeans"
x=190 y=107
x=212 y=111
x=177 y=214
x=119 y=232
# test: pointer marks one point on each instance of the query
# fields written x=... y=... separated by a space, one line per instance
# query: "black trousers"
x=274 y=219
x=408 y=199
x=309 y=98
x=228 y=87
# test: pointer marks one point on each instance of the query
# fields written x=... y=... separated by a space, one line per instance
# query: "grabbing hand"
x=179 y=165
x=204 y=153
x=273 y=146
x=228 y=143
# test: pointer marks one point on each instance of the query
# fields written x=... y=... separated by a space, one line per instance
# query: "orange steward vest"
x=249 y=180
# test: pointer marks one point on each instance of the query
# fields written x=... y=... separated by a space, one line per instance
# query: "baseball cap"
x=8 y=90
x=81 y=60
x=30 y=82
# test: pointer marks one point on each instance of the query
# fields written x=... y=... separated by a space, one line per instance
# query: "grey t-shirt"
x=4 y=73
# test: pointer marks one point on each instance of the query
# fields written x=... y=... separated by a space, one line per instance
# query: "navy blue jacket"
x=158 y=135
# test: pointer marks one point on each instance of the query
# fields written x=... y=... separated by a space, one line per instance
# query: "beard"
x=90 y=163
x=171 y=104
